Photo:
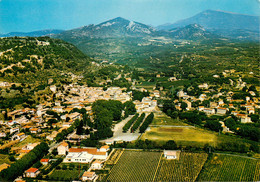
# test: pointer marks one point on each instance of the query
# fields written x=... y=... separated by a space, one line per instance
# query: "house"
x=30 y=146
x=44 y=161
x=104 y=148
x=97 y=164
x=170 y=154
x=58 y=109
x=85 y=155
x=63 y=148
x=209 y=111
x=244 y=118
x=35 y=130
x=221 y=111
x=88 y=176
x=79 y=157
x=203 y=86
x=31 y=173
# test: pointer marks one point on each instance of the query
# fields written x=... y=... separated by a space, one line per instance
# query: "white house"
x=86 y=155
x=31 y=173
x=170 y=154
x=79 y=157
x=97 y=164
x=209 y=111
x=63 y=148
x=88 y=176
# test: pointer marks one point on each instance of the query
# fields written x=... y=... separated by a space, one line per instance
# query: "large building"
x=86 y=155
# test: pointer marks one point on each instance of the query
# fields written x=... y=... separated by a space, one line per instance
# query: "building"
x=170 y=154
x=209 y=111
x=221 y=111
x=63 y=148
x=97 y=164
x=88 y=176
x=44 y=161
x=31 y=173
x=86 y=155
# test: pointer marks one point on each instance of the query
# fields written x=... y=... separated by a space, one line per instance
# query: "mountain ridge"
x=217 y=19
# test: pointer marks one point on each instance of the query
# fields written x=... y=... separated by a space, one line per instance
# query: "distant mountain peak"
x=117 y=27
x=218 y=19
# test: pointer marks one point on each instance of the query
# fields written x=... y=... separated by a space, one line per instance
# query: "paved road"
x=119 y=135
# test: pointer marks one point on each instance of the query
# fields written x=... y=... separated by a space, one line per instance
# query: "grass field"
x=135 y=166
x=64 y=174
x=187 y=168
x=230 y=168
x=161 y=118
x=181 y=135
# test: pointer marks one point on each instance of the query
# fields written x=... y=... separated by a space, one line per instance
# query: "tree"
x=213 y=125
x=170 y=145
x=184 y=105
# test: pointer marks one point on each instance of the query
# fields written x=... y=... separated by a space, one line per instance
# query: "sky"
x=32 y=15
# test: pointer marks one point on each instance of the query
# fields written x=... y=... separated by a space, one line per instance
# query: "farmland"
x=182 y=135
x=135 y=166
x=186 y=168
x=161 y=118
x=230 y=168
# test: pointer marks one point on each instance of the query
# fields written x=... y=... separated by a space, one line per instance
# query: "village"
x=27 y=127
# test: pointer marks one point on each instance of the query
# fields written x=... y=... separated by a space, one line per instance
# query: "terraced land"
x=230 y=168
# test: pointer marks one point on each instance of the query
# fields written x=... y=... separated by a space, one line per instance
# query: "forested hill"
x=32 y=59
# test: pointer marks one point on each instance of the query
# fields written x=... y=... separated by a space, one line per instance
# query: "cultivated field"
x=230 y=168
x=187 y=168
x=182 y=135
x=161 y=118
x=135 y=166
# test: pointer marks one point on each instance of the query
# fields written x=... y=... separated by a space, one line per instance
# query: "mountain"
x=31 y=59
x=39 y=33
x=211 y=20
x=118 y=27
x=191 y=32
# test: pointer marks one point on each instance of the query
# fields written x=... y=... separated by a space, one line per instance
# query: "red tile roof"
x=31 y=170
x=44 y=160
x=92 y=151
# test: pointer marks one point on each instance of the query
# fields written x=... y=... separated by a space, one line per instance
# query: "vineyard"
x=230 y=168
x=186 y=168
x=114 y=156
x=135 y=166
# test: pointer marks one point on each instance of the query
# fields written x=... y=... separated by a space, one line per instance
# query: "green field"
x=161 y=118
x=187 y=168
x=181 y=135
x=135 y=166
x=64 y=174
x=230 y=168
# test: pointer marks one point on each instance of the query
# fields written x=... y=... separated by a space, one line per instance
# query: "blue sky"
x=31 y=15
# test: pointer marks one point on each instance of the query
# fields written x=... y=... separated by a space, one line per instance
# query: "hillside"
x=191 y=32
x=32 y=59
x=118 y=27
x=32 y=34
